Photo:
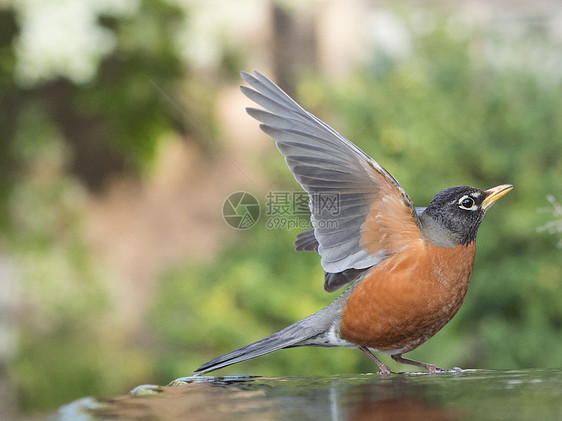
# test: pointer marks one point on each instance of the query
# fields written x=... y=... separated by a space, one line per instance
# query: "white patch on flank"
x=334 y=337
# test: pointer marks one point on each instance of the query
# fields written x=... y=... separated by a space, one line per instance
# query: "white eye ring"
x=467 y=203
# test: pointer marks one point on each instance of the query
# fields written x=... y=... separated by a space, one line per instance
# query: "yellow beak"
x=494 y=194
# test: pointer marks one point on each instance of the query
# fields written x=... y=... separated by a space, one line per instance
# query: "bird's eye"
x=467 y=202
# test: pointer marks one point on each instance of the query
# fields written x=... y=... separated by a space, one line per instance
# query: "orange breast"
x=407 y=298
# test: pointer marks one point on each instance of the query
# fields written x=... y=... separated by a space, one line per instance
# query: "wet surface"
x=466 y=395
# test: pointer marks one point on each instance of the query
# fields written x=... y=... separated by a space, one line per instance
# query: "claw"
x=384 y=372
x=433 y=368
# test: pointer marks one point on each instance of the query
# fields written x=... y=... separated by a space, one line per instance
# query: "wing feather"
x=359 y=212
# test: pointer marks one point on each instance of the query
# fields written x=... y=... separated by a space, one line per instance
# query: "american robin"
x=408 y=268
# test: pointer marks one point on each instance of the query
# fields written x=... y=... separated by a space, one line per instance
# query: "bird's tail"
x=311 y=331
x=272 y=343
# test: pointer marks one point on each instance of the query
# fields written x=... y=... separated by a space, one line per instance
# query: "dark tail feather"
x=305 y=332
x=310 y=331
x=279 y=340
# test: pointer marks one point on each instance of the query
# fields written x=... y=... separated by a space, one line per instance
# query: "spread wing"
x=306 y=241
x=359 y=212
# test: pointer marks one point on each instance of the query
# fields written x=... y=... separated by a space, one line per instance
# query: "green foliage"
x=112 y=125
x=67 y=347
x=56 y=140
x=78 y=357
x=125 y=94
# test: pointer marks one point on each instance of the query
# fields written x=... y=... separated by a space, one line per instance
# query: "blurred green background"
x=122 y=131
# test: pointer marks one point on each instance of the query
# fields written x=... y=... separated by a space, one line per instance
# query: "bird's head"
x=454 y=214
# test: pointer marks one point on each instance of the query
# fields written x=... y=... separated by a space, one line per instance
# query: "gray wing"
x=341 y=180
x=306 y=241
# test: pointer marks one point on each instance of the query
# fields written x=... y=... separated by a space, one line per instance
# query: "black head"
x=454 y=215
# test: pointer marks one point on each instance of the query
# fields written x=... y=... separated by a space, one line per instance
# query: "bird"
x=406 y=269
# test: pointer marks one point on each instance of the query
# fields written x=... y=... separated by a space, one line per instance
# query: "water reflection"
x=472 y=394
x=398 y=399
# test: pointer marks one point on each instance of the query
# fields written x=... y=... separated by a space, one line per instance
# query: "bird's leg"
x=429 y=367
x=384 y=370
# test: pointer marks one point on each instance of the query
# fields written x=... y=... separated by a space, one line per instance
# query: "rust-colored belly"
x=408 y=298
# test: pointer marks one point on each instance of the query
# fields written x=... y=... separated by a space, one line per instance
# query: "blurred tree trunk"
x=294 y=45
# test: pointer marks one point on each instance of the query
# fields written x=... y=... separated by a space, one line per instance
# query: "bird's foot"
x=431 y=368
x=434 y=369
x=384 y=372
x=383 y=369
